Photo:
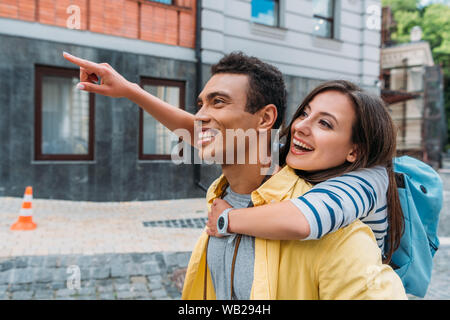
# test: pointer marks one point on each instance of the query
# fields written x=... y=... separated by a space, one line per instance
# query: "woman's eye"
x=326 y=124
x=303 y=114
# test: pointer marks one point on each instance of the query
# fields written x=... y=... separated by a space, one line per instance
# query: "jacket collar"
x=274 y=189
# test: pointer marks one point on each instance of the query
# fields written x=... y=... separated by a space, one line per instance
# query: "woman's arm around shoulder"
x=328 y=206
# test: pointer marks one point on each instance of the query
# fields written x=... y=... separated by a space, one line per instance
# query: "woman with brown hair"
x=346 y=157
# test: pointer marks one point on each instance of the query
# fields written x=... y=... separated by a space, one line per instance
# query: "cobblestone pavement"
x=125 y=250
x=104 y=276
x=439 y=288
x=440 y=279
x=75 y=227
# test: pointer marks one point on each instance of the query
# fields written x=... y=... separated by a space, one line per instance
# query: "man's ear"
x=268 y=116
x=353 y=154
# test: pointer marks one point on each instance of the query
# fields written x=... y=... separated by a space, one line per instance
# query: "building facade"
x=412 y=86
x=404 y=68
x=410 y=74
x=309 y=41
x=72 y=145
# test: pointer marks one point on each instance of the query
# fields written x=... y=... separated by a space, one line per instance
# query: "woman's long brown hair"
x=374 y=134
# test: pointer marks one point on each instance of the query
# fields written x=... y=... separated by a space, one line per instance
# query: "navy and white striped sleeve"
x=339 y=201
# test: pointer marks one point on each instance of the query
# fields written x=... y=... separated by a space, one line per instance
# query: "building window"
x=163 y=1
x=64 y=117
x=156 y=142
x=266 y=12
x=386 y=79
x=323 y=11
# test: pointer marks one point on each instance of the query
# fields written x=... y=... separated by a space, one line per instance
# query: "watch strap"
x=224 y=215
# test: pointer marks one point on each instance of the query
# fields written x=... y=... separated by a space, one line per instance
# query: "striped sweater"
x=339 y=201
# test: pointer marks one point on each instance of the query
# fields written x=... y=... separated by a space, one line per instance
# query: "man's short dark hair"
x=266 y=84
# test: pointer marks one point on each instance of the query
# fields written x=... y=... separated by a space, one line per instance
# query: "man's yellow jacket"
x=345 y=264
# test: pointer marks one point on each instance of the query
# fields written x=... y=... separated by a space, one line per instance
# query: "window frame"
x=386 y=76
x=158 y=82
x=167 y=4
x=41 y=71
x=331 y=20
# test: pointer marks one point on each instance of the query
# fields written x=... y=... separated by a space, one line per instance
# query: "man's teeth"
x=206 y=135
x=302 y=145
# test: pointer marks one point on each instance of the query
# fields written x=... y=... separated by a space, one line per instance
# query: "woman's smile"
x=300 y=147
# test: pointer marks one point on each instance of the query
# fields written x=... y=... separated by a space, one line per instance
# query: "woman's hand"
x=217 y=208
x=112 y=84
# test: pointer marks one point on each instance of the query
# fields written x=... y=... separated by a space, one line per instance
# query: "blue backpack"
x=421 y=195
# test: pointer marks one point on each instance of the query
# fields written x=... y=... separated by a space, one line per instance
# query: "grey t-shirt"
x=220 y=257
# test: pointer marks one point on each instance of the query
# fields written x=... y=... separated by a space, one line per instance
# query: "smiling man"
x=232 y=109
x=247 y=95
x=244 y=95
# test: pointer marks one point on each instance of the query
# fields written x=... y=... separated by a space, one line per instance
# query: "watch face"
x=221 y=222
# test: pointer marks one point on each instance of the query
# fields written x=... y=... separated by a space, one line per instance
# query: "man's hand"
x=112 y=84
x=216 y=209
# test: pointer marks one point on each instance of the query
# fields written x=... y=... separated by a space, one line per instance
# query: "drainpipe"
x=199 y=79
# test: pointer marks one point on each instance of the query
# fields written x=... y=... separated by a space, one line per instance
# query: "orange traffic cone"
x=25 y=221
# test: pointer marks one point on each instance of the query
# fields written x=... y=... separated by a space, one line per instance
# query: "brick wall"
x=138 y=19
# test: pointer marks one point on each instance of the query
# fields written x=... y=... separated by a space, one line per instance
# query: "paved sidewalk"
x=71 y=227
x=122 y=250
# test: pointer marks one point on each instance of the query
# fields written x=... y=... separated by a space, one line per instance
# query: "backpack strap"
x=400 y=180
x=205 y=280
x=238 y=241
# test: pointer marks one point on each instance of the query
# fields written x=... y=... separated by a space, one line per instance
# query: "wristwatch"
x=222 y=222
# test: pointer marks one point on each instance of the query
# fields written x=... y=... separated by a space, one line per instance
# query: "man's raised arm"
x=112 y=84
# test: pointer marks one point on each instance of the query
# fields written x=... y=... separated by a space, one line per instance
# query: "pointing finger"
x=90 y=66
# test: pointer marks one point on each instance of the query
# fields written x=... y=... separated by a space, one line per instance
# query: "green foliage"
x=436 y=23
x=403 y=5
x=436 y=30
x=405 y=20
x=434 y=20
